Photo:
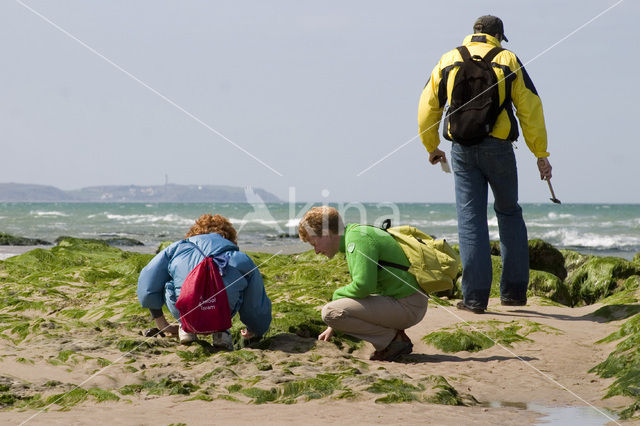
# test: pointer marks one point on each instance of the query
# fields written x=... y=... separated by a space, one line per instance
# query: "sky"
x=301 y=98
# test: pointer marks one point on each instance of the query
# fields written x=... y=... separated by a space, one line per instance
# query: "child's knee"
x=332 y=314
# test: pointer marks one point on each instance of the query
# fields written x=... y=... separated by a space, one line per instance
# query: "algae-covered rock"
x=544 y=257
x=599 y=277
x=115 y=241
x=495 y=248
x=636 y=258
x=629 y=292
x=548 y=285
x=123 y=242
x=163 y=245
x=573 y=260
x=11 y=240
x=496 y=263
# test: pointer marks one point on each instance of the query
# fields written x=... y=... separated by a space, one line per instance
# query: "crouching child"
x=161 y=280
x=379 y=303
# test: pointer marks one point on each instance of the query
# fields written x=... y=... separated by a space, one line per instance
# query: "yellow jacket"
x=511 y=77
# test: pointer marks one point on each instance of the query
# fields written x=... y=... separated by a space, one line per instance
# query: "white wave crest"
x=293 y=223
x=51 y=213
x=149 y=218
x=449 y=222
x=589 y=240
x=554 y=215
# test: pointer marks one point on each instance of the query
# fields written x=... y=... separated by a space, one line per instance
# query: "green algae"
x=88 y=288
x=261 y=396
x=549 y=286
x=396 y=391
x=445 y=394
x=78 y=395
x=478 y=336
x=624 y=364
x=598 y=278
x=163 y=387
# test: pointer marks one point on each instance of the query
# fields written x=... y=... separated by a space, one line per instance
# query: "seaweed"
x=478 y=336
x=624 y=364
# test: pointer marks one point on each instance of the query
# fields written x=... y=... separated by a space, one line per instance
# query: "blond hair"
x=207 y=224
x=320 y=221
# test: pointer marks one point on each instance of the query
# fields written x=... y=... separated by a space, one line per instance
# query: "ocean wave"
x=51 y=213
x=293 y=223
x=554 y=215
x=255 y=220
x=449 y=222
x=590 y=240
x=149 y=218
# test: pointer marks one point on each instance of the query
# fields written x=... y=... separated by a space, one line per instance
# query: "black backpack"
x=475 y=103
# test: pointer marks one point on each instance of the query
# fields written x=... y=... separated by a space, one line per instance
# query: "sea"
x=600 y=229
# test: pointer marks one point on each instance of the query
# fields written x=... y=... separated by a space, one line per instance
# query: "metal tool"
x=553 y=195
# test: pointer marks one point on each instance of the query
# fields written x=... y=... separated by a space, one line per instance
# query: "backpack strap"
x=507 y=98
x=382 y=263
x=464 y=52
x=386 y=224
x=492 y=53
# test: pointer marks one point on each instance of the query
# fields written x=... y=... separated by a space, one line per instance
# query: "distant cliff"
x=170 y=193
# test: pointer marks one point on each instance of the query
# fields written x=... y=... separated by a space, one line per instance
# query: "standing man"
x=379 y=303
x=484 y=157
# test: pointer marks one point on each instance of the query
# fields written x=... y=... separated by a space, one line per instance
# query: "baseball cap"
x=491 y=25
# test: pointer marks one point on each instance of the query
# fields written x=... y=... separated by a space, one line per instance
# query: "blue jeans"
x=490 y=162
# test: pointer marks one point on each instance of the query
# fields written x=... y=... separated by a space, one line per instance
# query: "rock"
x=573 y=260
x=123 y=242
x=599 y=277
x=163 y=245
x=10 y=240
x=548 y=285
x=495 y=248
x=544 y=257
x=65 y=241
x=636 y=258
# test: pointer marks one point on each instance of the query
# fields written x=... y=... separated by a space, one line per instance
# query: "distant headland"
x=169 y=193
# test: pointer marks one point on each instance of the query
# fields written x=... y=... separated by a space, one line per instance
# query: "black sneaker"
x=511 y=302
x=464 y=307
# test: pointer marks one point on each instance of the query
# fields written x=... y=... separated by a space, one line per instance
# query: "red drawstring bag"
x=203 y=302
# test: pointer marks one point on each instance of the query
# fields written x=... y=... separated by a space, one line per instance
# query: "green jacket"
x=364 y=246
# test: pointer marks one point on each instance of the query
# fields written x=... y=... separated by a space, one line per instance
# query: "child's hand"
x=246 y=334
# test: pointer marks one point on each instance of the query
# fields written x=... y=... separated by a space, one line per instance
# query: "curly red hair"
x=207 y=224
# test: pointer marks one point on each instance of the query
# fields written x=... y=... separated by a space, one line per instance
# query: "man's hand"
x=545 y=168
x=326 y=335
x=436 y=156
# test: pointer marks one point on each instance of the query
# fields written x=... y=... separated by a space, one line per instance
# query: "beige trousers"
x=375 y=319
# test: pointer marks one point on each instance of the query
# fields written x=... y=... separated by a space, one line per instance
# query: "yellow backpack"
x=433 y=262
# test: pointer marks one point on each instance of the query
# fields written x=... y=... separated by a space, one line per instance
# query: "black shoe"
x=464 y=307
x=511 y=302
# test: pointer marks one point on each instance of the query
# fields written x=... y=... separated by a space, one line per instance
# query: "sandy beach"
x=548 y=371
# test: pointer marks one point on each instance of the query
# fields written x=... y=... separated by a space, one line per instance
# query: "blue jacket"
x=160 y=281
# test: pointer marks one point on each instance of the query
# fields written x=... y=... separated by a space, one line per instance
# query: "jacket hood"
x=213 y=244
